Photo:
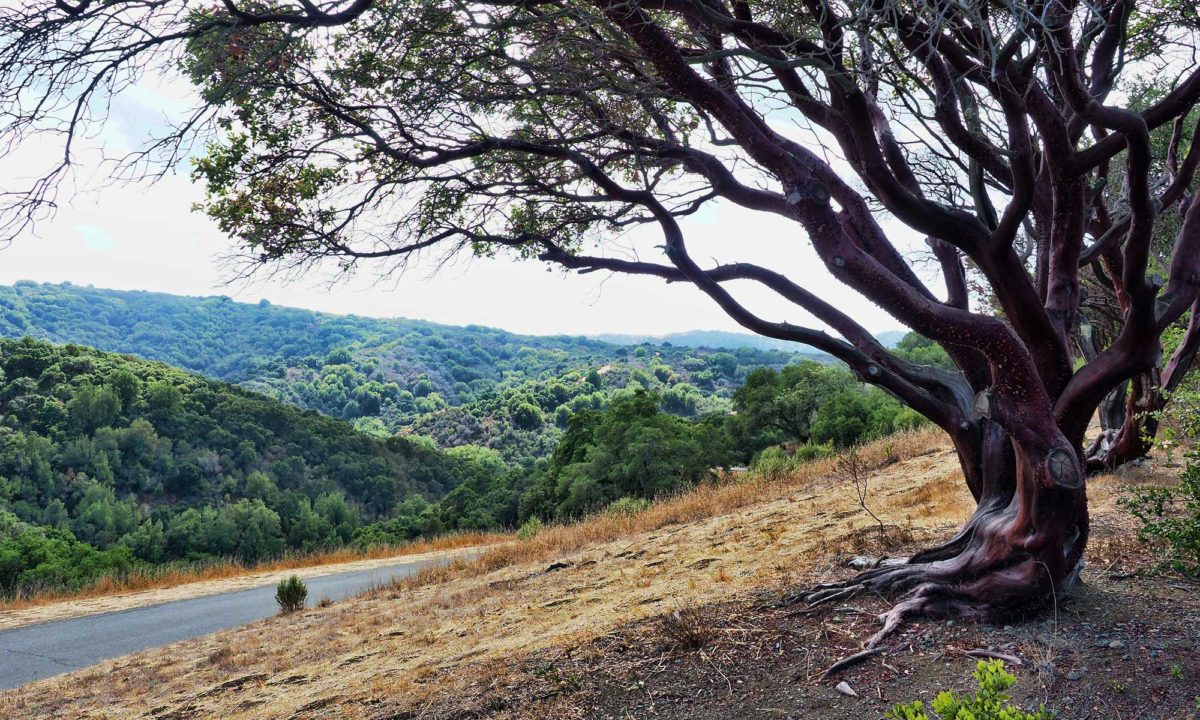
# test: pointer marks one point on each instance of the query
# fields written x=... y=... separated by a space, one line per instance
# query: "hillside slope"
x=595 y=621
x=108 y=461
x=397 y=648
x=459 y=385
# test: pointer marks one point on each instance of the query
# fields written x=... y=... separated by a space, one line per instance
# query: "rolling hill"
x=108 y=462
x=458 y=385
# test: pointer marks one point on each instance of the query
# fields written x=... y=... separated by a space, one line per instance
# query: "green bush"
x=992 y=702
x=627 y=506
x=530 y=529
x=1172 y=515
x=290 y=594
x=811 y=451
x=774 y=463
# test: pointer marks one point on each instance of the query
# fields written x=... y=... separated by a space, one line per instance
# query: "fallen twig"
x=981 y=653
x=852 y=660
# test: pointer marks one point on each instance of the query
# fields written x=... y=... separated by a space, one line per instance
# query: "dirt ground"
x=1124 y=646
x=578 y=623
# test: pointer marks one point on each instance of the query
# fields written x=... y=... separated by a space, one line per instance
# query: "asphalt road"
x=37 y=651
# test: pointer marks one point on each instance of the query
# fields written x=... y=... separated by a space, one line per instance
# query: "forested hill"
x=108 y=452
x=458 y=385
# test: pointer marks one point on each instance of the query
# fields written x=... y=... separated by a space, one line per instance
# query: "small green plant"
x=529 y=529
x=290 y=594
x=627 y=507
x=992 y=702
x=1177 y=672
x=1172 y=515
x=552 y=674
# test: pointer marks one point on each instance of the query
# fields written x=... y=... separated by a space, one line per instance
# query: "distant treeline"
x=459 y=385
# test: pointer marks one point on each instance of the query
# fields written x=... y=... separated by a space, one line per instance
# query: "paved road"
x=37 y=651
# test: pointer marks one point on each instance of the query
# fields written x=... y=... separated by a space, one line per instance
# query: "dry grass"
x=139 y=589
x=565 y=586
x=703 y=502
x=687 y=627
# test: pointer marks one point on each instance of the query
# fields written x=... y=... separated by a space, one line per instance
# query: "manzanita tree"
x=1042 y=147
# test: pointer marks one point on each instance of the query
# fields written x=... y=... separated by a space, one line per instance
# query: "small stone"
x=1074 y=675
x=1116 y=645
x=844 y=688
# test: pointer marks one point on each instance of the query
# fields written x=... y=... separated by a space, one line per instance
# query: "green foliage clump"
x=1172 y=515
x=775 y=462
x=923 y=351
x=814 y=403
x=630 y=449
x=992 y=702
x=290 y=594
x=627 y=507
x=529 y=529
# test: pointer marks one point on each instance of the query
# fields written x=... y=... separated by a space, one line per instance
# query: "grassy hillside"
x=459 y=385
x=108 y=462
x=682 y=611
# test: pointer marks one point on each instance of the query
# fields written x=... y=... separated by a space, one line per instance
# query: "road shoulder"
x=81 y=607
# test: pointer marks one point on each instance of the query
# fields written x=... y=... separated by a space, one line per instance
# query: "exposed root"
x=851 y=661
x=929 y=600
x=970 y=586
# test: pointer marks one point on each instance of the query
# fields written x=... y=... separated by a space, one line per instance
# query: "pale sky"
x=146 y=237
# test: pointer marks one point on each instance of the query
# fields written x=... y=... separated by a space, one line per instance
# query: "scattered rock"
x=1116 y=645
x=1074 y=675
x=557 y=566
x=844 y=688
x=862 y=562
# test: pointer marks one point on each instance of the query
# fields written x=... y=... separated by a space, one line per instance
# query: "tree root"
x=851 y=661
x=969 y=586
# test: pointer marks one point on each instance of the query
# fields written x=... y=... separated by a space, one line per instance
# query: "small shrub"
x=553 y=675
x=772 y=463
x=812 y=451
x=775 y=463
x=853 y=470
x=627 y=507
x=222 y=656
x=529 y=529
x=290 y=594
x=687 y=628
x=992 y=702
x=325 y=602
x=1171 y=515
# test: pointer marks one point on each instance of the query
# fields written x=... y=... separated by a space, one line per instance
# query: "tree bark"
x=1022 y=547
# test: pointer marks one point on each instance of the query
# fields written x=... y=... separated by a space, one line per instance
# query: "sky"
x=147 y=237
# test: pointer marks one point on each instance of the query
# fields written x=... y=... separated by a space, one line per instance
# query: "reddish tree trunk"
x=1022 y=546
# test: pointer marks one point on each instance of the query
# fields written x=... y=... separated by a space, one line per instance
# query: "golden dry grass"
x=149 y=588
x=567 y=585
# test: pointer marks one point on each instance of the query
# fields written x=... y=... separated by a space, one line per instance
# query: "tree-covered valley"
x=458 y=385
x=110 y=463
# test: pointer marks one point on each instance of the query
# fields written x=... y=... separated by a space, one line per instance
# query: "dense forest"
x=106 y=460
x=457 y=385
